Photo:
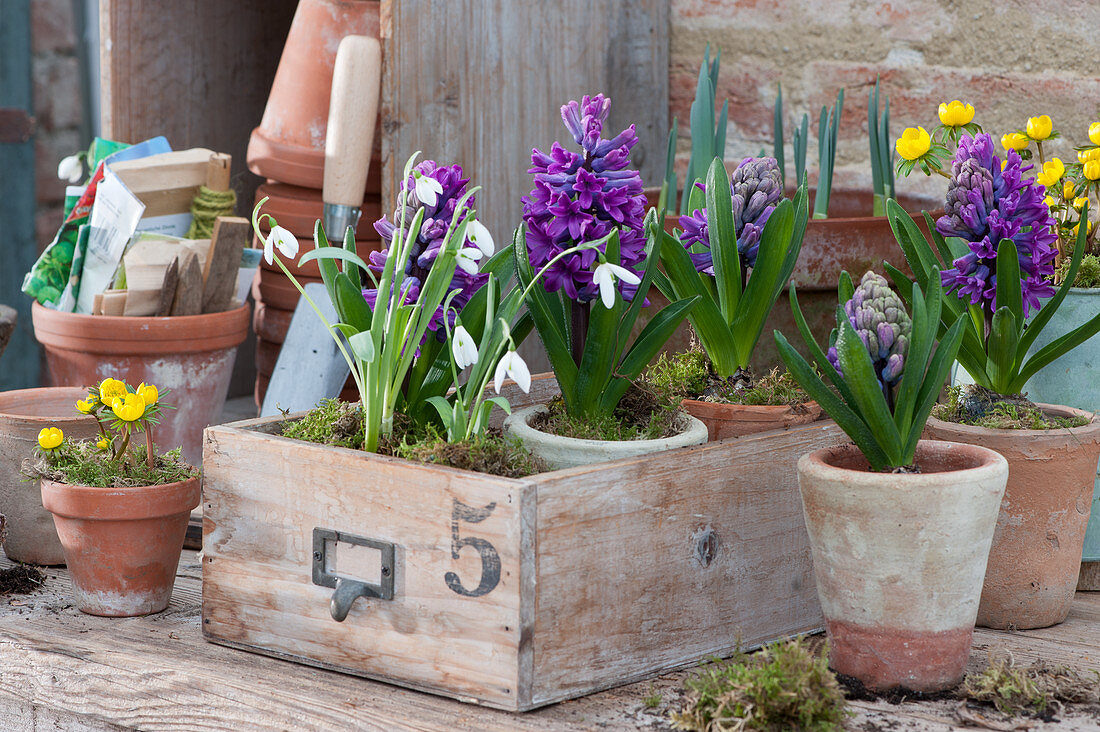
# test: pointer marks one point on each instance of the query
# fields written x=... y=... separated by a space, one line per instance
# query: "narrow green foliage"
x=994 y=350
x=82 y=463
x=777 y=129
x=828 y=124
x=882 y=150
x=784 y=686
x=708 y=133
x=653 y=699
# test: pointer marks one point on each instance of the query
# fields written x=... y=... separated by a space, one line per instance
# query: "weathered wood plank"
x=663 y=560
x=261 y=504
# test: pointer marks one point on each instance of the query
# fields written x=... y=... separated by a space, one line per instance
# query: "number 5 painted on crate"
x=490 y=560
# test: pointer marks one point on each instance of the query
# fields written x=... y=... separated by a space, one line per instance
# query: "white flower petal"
x=463 y=348
x=603 y=277
x=467 y=259
x=71 y=169
x=269 y=250
x=518 y=371
x=284 y=241
x=427 y=189
x=623 y=274
x=502 y=369
x=479 y=234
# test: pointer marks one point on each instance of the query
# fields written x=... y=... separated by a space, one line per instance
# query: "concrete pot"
x=1036 y=555
x=1070 y=380
x=31 y=537
x=899 y=559
x=569 y=452
x=192 y=355
x=122 y=545
x=738 y=420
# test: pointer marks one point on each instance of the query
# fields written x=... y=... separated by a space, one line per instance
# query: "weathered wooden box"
x=509 y=593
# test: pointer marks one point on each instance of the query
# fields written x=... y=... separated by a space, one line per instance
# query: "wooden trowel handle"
x=353 y=109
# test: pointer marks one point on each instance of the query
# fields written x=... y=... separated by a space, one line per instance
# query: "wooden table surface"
x=63 y=670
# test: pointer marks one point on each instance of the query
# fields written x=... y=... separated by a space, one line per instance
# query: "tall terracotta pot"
x=31 y=537
x=1036 y=555
x=122 y=545
x=899 y=559
x=289 y=144
x=192 y=355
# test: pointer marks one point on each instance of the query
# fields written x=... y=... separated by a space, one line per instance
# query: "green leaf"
x=363 y=346
x=1001 y=348
x=723 y=240
x=327 y=266
x=655 y=334
x=1046 y=312
x=1055 y=349
x=845 y=417
x=934 y=379
x=859 y=375
x=777 y=132
x=350 y=304
x=445 y=409
x=764 y=283
x=353 y=272
x=922 y=334
x=1009 y=291
x=548 y=315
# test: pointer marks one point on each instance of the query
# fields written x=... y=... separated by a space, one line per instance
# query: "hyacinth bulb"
x=878 y=316
x=756 y=187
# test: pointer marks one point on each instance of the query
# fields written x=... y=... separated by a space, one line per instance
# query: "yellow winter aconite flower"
x=1049 y=201
x=956 y=114
x=111 y=389
x=913 y=143
x=1051 y=173
x=1094 y=133
x=1067 y=190
x=103 y=443
x=1092 y=153
x=1092 y=170
x=148 y=393
x=50 y=437
x=85 y=406
x=129 y=408
x=1079 y=203
x=1039 y=128
x=1088 y=230
x=1014 y=141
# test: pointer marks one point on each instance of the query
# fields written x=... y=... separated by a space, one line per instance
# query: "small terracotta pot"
x=298 y=209
x=192 y=355
x=277 y=291
x=569 y=452
x=31 y=537
x=122 y=545
x=899 y=559
x=1036 y=555
x=289 y=144
x=738 y=420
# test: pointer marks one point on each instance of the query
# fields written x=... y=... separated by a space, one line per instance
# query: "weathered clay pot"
x=289 y=144
x=737 y=420
x=298 y=209
x=191 y=355
x=122 y=545
x=899 y=559
x=1036 y=553
x=569 y=452
x=1070 y=380
x=31 y=537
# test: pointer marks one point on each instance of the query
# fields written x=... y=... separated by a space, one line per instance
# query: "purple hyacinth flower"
x=430 y=239
x=879 y=318
x=985 y=204
x=756 y=187
x=582 y=198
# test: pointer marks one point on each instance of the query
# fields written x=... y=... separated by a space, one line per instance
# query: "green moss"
x=983 y=408
x=1034 y=689
x=82 y=463
x=688 y=375
x=338 y=423
x=785 y=686
x=641 y=415
x=1088 y=274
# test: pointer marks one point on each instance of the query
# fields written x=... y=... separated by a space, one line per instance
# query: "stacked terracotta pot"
x=288 y=149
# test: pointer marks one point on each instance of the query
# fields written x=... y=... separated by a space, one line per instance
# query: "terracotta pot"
x=569 y=452
x=1036 y=554
x=289 y=144
x=298 y=209
x=738 y=420
x=277 y=291
x=270 y=324
x=23 y=413
x=122 y=545
x=191 y=355
x=899 y=559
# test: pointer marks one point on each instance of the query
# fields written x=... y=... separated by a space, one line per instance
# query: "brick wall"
x=58 y=108
x=1010 y=60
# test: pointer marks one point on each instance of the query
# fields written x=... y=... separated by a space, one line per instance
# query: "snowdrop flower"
x=280 y=239
x=516 y=369
x=605 y=276
x=428 y=190
x=70 y=169
x=479 y=234
x=467 y=259
x=463 y=348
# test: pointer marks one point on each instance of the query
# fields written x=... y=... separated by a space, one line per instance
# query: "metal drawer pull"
x=347 y=589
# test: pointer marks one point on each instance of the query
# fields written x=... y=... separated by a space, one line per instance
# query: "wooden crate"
x=509 y=593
